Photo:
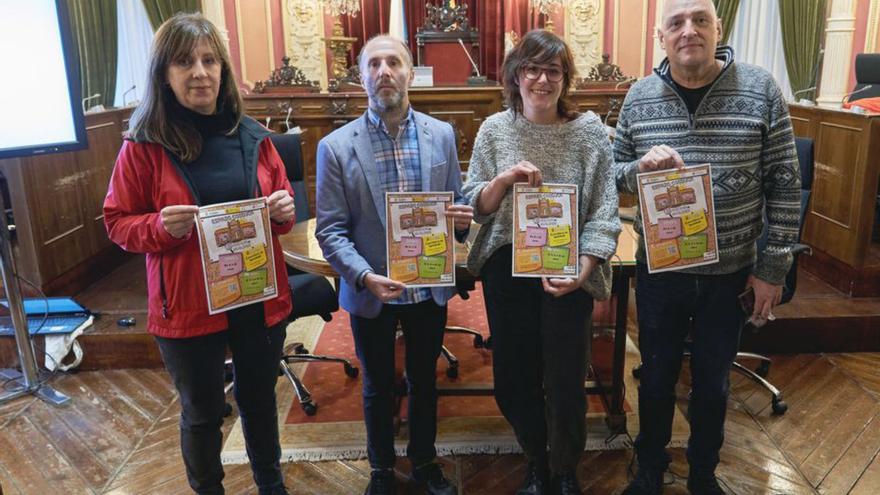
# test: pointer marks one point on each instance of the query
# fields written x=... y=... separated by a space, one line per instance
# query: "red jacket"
x=145 y=180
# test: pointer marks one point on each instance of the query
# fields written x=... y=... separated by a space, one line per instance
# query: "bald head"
x=689 y=33
x=384 y=40
x=673 y=5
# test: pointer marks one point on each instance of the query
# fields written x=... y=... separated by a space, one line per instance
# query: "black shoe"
x=704 y=483
x=381 y=482
x=536 y=480
x=647 y=482
x=279 y=490
x=567 y=484
x=430 y=476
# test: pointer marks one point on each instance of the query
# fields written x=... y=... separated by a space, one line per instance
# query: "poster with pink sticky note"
x=678 y=218
x=419 y=239
x=545 y=232
x=237 y=254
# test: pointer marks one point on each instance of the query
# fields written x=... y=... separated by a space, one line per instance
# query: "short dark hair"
x=154 y=118
x=538 y=46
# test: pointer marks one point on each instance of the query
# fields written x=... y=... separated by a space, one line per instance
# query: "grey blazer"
x=350 y=203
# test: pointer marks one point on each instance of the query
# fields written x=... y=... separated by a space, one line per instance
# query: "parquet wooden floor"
x=120 y=437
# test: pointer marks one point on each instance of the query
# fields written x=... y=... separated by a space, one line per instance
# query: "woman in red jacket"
x=188 y=145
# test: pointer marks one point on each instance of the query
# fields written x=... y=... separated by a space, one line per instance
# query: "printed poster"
x=237 y=256
x=545 y=231
x=678 y=218
x=419 y=239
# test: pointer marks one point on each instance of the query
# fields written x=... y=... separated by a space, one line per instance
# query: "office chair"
x=867 y=77
x=311 y=294
x=804 y=148
x=463 y=285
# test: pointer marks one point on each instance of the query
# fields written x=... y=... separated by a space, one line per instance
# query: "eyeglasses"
x=553 y=74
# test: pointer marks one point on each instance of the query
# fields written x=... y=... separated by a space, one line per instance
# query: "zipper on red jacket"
x=162 y=287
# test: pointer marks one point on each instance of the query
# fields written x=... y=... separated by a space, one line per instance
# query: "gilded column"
x=584 y=26
x=303 y=38
x=839 y=30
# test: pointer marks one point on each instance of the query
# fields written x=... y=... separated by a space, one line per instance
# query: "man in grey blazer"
x=390 y=148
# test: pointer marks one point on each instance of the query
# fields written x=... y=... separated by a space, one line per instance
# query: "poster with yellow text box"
x=545 y=230
x=419 y=239
x=677 y=211
x=238 y=261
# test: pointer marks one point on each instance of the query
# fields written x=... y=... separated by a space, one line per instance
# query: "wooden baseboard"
x=864 y=282
x=815 y=335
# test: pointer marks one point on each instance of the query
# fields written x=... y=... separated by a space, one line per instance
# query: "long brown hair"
x=538 y=46
x=157 y=118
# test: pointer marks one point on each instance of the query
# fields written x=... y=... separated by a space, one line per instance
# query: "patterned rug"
x=466 y=424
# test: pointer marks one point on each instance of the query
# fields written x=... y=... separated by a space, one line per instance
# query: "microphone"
x=127 y=91
x=803 y=101
x=96 y=95
x=867 y=87
x=476 y=79
x=613 y=104
x=626 y=81
x=854 y=107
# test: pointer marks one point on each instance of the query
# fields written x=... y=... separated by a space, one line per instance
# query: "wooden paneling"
x=840 y=217
x=834 y=178
x=57 y=206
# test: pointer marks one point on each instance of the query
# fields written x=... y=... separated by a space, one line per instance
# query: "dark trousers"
x=196 y=366
x=374 y=338
x=539 y=362
x=669 y=304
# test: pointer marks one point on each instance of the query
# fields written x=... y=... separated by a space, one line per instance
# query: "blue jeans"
x=196 y=366
x=423 y=325
x=669 y=305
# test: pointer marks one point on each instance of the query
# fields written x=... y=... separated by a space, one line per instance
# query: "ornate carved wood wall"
x=463 y=107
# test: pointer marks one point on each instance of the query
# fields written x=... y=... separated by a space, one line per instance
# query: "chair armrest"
x=799 y=248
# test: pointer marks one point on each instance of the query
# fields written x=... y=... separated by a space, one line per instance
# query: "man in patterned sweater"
x=698 y=107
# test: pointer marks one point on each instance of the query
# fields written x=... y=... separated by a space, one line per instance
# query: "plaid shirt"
x=397 y=160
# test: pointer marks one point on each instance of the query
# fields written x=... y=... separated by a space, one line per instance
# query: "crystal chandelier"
x=342 y=7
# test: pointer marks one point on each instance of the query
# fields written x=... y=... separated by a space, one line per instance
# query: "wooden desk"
x=301 y=251
x=840 y=216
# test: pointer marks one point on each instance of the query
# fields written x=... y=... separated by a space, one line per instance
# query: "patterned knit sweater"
x=576 y=152
x=743 y=130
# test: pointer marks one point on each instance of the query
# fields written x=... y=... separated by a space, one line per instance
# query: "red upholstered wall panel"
x=451 y=65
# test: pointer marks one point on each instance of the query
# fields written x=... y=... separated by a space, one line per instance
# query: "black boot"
x=567 y=484
x=536 y=479
x=647 y=482
x=430 y=476
x=381 y=482
x=703 y=483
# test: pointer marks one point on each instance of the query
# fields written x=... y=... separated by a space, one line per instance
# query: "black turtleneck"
x=218 y=174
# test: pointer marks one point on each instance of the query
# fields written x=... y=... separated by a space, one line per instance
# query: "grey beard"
x=385 y=105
